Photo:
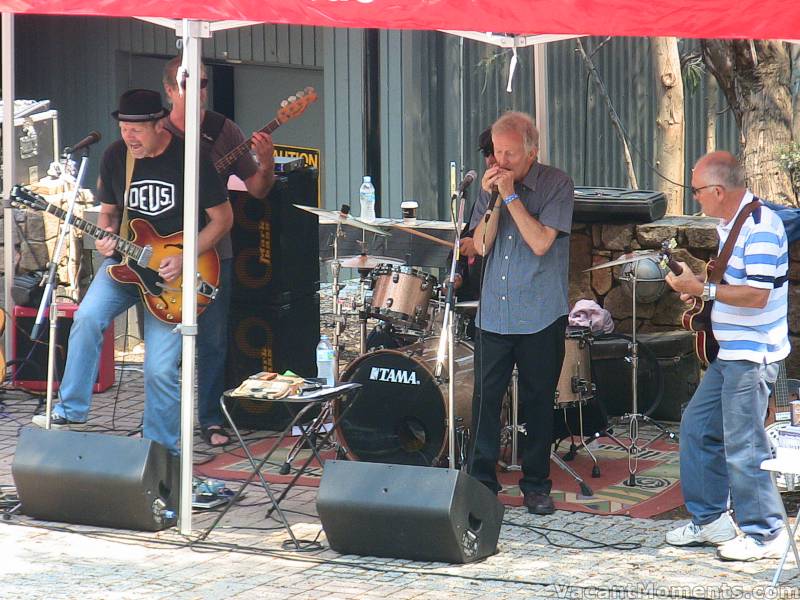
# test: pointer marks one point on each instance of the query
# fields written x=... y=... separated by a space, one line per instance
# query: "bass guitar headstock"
x=294 y=106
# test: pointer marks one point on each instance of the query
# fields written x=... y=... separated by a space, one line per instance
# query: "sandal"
x=212 y=430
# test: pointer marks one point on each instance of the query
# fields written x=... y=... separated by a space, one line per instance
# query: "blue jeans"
x=722 y=444
x=104 y=300
x=212 y=348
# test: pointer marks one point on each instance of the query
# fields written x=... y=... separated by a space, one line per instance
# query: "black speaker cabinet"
x=269 y=338
x=402 y=511
x=96 y=479
x=275 y=244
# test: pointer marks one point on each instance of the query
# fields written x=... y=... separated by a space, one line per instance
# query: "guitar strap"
x=130 y=161
x=722 y=261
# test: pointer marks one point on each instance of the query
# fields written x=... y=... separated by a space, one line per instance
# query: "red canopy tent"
x=756 y=19
x=746 y=19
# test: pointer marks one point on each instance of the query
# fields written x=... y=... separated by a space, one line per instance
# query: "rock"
x=617 y=237
x=669 y=310
x=618 y=303
x=702 y=237
x=652 y=235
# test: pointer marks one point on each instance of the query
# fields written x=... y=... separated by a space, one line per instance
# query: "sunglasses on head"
x=203 y=83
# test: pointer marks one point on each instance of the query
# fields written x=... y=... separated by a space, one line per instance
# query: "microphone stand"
x=447 y=339
x=49 y=295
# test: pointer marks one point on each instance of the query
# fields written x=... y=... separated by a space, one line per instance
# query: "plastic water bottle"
x=325 y=361
x=367 y=196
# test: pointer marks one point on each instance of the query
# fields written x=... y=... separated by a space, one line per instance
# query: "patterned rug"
x=657 y=488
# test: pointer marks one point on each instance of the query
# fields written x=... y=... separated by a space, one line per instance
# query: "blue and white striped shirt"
x=760 y=259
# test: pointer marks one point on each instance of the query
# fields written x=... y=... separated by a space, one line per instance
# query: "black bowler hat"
x=140 y=105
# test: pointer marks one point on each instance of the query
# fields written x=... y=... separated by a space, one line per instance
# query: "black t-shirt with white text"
x=156 y=191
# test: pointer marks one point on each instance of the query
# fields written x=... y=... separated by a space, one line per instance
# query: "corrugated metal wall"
x=582 y=139
x=79 y=63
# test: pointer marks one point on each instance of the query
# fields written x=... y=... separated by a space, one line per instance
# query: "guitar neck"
x=231 y=157
x=121 y=245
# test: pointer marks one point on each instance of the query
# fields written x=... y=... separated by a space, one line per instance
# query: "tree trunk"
x=795 y=90
x=712 y=106
x=755 y=79
x=669 y=121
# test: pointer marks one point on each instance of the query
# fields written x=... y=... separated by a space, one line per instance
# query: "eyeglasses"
x=203 y=83
x=696 y=190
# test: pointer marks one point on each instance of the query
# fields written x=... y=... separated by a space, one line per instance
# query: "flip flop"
x=208 y=433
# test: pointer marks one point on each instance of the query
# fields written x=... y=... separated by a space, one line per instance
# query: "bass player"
x=722 y=436
x=155 y=194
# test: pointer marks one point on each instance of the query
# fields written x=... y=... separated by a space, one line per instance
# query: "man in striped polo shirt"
x=722 y=436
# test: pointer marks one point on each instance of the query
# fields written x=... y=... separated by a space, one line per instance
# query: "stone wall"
x=594 y=244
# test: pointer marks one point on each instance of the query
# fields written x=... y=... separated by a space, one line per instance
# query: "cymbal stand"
x=338 y=318
x=362 y=309
x=634 y=449
x=517 y=428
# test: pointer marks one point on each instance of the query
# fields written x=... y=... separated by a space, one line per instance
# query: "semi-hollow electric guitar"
x=141 y=256
x=697 y=318
x=292 y=107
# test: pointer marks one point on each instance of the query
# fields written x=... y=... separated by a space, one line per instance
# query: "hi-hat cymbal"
x=336 y=216
x=627 y=258
x=363 y=261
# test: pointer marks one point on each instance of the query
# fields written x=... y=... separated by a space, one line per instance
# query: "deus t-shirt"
x=156 y=191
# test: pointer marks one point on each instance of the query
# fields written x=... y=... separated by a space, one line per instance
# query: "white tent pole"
x=8 y=165
x=193 y=31
x=541 y=100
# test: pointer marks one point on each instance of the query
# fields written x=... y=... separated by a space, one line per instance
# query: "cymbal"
x=336 y=217
x=627 y=258
x=363 y=261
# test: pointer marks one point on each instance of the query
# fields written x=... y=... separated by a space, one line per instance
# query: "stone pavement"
x=566 y=555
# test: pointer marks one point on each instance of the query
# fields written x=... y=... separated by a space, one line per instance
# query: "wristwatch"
x=709 y=292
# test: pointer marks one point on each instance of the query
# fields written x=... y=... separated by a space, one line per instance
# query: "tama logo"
x=394 y=375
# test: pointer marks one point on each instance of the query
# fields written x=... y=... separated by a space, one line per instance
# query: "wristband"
x=510 y=199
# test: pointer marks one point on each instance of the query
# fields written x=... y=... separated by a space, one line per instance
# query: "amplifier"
x=32 y=373
x=618 y=205
x=36 y=145
x=276 y=245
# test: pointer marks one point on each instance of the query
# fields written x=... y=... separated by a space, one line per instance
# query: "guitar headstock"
x=23 y=197
x=294 y=106
x=666 y=261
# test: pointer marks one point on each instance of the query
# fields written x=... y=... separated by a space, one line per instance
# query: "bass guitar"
x=141 y=256
x=292 y=107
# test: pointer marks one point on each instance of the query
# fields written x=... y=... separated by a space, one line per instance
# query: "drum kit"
x=399 y=415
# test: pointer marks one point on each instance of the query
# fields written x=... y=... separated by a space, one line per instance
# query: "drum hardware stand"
x=309 y=433
x=516 y=429
x=633 y=448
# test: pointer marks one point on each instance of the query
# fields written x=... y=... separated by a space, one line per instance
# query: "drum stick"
x=425 y=235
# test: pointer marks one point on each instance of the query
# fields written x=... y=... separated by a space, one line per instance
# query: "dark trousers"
x=538 y=357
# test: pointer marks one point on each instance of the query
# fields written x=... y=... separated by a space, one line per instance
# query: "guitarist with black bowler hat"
x=155 y=159
x=722 y=437
x=218 y=136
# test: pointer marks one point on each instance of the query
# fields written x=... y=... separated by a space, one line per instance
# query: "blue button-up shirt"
x=523 y=292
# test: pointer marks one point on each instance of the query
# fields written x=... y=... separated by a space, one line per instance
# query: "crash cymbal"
x=627 y=258
x=336 y=216
x=363 y=261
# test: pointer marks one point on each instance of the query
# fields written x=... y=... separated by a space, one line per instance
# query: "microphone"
x=467 y=181
x=92 y=138
x=492 y=202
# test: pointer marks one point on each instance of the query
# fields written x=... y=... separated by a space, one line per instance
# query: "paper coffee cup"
x=409 y=209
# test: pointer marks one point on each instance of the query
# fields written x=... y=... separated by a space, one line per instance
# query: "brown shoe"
x=539 y=504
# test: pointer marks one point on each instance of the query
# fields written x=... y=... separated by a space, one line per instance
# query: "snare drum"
x=401 y=295
x=575 y=382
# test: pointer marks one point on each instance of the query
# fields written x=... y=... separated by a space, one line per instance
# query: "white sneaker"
x=56 y=421
x=715 y=533
x=746 y=547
